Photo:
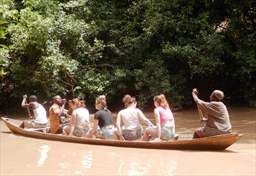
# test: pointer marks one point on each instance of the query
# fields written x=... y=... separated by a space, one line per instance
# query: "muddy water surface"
x=27 y=156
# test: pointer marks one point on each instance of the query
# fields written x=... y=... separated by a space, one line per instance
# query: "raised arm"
x=56 y=110
x=195 y=95
x=24 y=103
x=201 y=105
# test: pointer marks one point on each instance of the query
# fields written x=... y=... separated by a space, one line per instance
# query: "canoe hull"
x=220 y=142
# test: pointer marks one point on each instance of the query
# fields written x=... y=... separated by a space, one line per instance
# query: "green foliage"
x=152 y=79
x=85 y=48
x=4 y=62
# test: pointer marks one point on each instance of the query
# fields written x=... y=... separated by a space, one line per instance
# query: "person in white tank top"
x=79 y=119
x=131 y=117
x=82 y=116
x=129 y=120
x=39 y=112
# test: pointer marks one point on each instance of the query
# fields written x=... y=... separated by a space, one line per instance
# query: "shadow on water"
x=6 y=132
x=212 y=151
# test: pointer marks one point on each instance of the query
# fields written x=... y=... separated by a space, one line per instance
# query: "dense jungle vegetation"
x=83 y=48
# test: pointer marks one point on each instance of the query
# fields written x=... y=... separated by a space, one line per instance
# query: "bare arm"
x=63 y=111
x=93 y=131
x=158 y=125
x=73 y=123
x=56 y=110
x=118 y=126
x=144 y=118
x=24 y=103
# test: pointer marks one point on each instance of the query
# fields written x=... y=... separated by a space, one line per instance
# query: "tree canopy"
x=83 y=48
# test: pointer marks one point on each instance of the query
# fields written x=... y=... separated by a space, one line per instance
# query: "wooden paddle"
x=201 y=115
x=28 y=110
x=29 y=113
x=62 y=108
x=63 y=105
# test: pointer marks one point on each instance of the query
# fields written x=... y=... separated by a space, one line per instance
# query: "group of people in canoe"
x=130 y=124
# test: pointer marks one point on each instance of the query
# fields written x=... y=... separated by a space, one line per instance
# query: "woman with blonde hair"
x=79 y=119
x=129 y=120
x=165 y=125
x=102 y=118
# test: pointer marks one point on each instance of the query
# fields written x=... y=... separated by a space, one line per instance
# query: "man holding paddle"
x=39 y=113
x=214 y=113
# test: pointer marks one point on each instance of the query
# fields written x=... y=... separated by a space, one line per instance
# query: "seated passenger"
x=79 y=120
x=55 y=113
x=165 y=124
x=129 y=120
x=216 y=114
x=102 y=119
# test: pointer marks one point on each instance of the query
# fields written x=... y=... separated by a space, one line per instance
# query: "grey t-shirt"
x=217 y=115
x=104 y=117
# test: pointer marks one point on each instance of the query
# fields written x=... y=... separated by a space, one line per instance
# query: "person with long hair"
x=79 y=119
x=129 y=120
x=165 y=124
x=102 y=119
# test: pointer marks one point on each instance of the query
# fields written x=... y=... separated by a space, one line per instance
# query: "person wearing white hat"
x=215 y=114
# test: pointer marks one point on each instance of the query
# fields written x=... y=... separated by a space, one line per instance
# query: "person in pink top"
x=165 y=125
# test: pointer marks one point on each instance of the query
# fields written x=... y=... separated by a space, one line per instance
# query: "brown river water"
x=28 y=156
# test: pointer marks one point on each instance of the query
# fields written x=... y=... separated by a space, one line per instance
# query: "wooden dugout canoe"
x=220 y=142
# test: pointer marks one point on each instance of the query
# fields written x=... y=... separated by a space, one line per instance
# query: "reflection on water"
x=132 y=167
x=138 y=168
x=87 y=160
x=73 y=162
x=63 y=167
x=43 y=154
x=42 y=157
x=171 y=167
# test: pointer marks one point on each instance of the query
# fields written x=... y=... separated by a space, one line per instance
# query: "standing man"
x=39 y=113
x=216 y=114
x=55 y=112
